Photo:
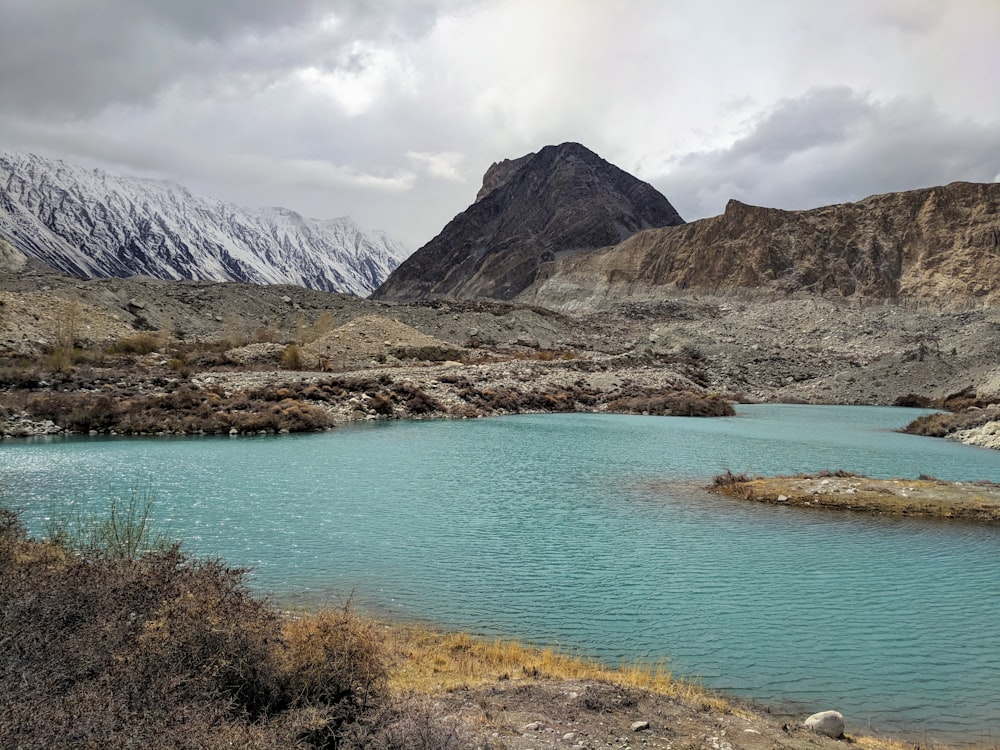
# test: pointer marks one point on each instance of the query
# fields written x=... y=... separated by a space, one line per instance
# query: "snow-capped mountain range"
x=87 y=222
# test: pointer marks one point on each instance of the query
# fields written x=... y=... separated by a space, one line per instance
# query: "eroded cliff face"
x=941 y=243
x=561 y=200
x=11 y=259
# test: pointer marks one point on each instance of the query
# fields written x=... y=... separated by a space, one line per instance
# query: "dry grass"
x=429 y=661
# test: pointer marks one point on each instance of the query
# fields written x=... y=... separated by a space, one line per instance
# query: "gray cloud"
x=833 y=145
x=73 y=58
x=391 y=110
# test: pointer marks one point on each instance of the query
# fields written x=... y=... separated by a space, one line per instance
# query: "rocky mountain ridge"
x=940 y=243
x=94 y=224
x=561 y=200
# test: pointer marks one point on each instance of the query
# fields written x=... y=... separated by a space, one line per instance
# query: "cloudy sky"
x=391 y=110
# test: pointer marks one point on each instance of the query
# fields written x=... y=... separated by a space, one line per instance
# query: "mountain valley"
x=889 y=300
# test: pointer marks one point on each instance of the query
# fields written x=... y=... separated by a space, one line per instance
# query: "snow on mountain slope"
x=88 y=222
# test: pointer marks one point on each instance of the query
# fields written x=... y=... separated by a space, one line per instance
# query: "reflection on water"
x=594 y=532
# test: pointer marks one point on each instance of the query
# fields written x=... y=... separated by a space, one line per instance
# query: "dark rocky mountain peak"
x=529 y=211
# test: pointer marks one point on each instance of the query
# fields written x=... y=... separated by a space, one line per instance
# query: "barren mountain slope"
x=934 y=243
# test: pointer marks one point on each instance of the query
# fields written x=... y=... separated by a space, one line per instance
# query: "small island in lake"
x=926 y=497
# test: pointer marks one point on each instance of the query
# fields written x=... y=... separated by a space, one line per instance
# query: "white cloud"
x=362 y=76
x=311 y=173
x=443 y=166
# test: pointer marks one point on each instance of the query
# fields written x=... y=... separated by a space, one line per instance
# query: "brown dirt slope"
x=371 y=337
x=933 y=243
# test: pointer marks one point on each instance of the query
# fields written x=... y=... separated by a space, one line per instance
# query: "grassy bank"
x=925 y=497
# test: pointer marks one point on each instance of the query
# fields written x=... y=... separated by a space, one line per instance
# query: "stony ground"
x=809 y=349
x=537 y=714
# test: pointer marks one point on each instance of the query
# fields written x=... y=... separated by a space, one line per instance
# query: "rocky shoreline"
x=241 y=401
x=136 y=356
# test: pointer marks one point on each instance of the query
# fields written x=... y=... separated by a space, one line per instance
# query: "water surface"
x=593 y=532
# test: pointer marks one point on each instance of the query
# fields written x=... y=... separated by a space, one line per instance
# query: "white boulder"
x=829 y=723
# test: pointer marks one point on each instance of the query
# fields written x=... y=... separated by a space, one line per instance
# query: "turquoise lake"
x=594 y=532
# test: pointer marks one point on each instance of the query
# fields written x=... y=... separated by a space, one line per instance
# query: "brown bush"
x=941 y=425
x=429 y=353
x=675 y=403
x=729 y=479
x=335 y=658
x=140 y=343
x=415 y=400
x=184 y=408
x=291 y=358
x=167 y=651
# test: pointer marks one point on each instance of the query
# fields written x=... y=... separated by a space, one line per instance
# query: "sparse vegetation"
x=677 y=404
x=124 y=533
x=181 y=409
x=426 y=353
x=941 y=424
x=142 y=343
x=291 y=358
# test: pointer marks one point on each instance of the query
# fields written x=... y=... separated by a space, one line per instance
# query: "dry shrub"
x=729 y=479
x=141 y=343
x=167 y=651
x=966 y=399
x=109 y=652
x=941 y=425
x=291 y=357
x=381 y=403
x=410 y=723
x=185 y=408
x=675 y=403
x=824 y=473
x=333 y=657
x=737 y=485
x=505 y=399
x=16 y=373
x=493 y=399
x=429 y=353
x=415 y=400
